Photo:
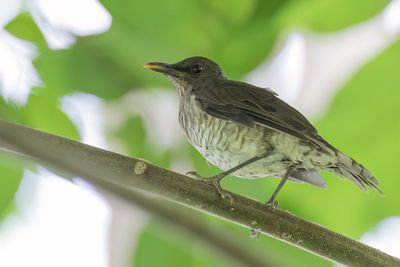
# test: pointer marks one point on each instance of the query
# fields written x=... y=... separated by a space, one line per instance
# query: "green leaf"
x=24 y=27
x=135 y=138
x=235 y=12
x=329 y=15
x=10 y=176
x=43 y=112
x=158 y=246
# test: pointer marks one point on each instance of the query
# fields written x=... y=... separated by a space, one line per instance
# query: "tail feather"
x=349 y=168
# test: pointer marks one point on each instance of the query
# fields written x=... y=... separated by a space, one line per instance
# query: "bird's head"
x=187 y=71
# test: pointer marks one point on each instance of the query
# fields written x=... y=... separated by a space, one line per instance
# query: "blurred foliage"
x=172 y=249
x=10 y=175
x=239 y=34
x=133 y=134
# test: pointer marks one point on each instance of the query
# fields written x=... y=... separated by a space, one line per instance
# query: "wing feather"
x=250 y=105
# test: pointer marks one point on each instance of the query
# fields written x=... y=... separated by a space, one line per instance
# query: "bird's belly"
x=238 y=146
x=285 y=150
x=226 y=144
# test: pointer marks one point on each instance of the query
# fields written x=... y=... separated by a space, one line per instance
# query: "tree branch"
x=98 y=165
x=217 y=239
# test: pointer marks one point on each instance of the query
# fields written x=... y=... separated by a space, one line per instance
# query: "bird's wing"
x=250 y=105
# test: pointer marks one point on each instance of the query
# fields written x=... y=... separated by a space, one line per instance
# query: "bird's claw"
x=224 y=194
x=255 y=232
x=214 y=181
x=273 y=203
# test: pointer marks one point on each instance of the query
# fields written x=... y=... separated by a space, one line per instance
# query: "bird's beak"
x=163 y=68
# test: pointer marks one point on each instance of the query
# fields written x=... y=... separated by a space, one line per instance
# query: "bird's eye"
x=197 y=68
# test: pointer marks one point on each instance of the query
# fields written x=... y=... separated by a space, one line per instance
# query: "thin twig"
x=131 y=173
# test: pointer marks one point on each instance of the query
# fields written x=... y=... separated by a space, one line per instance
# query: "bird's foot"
x=255 y=233
x=273 y=203
x=215 y=182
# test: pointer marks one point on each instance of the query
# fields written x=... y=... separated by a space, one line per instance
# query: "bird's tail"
x=349 y=168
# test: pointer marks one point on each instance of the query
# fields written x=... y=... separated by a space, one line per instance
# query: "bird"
x=249 y=132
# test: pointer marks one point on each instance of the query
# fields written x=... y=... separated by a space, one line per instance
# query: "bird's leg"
x=272 y=200
x=216 y=179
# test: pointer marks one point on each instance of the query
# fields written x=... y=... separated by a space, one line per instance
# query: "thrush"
x=248 y=131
